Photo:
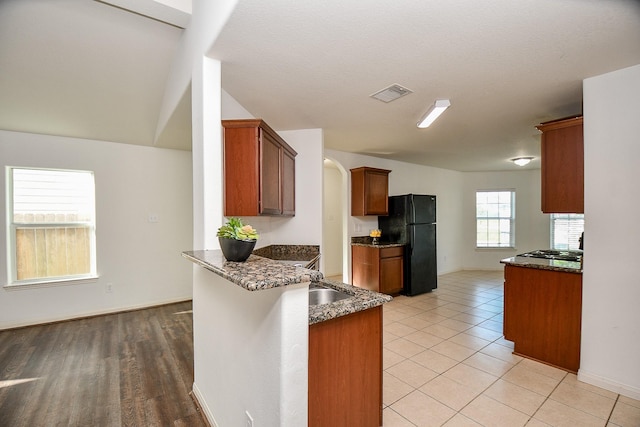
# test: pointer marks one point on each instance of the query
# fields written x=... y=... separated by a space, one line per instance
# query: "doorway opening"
x=333 y=230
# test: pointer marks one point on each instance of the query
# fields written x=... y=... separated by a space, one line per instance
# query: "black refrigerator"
x=412 y=221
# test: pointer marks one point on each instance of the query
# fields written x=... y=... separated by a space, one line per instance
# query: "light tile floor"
x=447 y=364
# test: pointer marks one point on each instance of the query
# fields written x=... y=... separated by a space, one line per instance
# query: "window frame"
x=12 y=229
x=554 y=219
x=512 y=220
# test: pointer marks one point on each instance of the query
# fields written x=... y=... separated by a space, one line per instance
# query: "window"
x=566 y=230
x=495 y=219
x=51 y=225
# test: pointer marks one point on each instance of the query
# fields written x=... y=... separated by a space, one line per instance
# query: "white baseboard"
x=206 y=412
x=607 y=384
x=42 y=321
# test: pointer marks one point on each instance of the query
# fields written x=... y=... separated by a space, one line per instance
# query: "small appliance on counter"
x=412 y=222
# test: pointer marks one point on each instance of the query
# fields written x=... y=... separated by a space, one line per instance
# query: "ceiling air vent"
x=391 y=93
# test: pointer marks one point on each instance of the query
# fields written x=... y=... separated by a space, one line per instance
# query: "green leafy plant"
x=235 y=229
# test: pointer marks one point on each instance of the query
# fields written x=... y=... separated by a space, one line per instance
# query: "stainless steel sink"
x=318 y=295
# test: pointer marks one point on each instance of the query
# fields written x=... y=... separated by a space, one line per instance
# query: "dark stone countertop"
x=289 y=252
x=368 y=242
x=307 y=255
x=362 y=299
x=258 y=273
x=544 y=264
x=378 y=245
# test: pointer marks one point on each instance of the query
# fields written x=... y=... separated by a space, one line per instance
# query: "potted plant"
x=237 y=240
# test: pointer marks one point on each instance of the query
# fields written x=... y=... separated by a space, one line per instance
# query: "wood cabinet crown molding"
x=560 y=123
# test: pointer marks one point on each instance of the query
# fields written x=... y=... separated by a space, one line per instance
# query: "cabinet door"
x=345 y=370
x=270 y=196
x=365 y=267
x=288 y=183
x=369 y=191
x=562 y=166
x=241 y=165
x=391 y=275
x=376 y=193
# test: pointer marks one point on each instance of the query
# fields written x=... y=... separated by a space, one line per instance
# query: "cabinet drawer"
x=391 y=252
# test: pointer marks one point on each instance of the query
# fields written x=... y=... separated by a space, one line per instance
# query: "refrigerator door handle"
x=412 y=238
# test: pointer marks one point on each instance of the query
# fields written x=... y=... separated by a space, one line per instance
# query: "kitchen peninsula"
x=253 y=331
x=543 y=309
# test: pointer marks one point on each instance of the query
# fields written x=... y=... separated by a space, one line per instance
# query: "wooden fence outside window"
x=52 y=251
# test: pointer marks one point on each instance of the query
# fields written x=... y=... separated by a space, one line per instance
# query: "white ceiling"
x=83 y=68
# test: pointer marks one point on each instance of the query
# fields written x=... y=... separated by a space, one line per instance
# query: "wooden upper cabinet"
x=562 y=166
x=259 y=170
x=369 y=191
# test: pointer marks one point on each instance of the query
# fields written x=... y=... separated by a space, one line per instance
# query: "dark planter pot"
x=236 y=250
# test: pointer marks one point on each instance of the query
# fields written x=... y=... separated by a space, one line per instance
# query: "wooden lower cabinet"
x=345 y=370
x=543 y=315
x=378 y=269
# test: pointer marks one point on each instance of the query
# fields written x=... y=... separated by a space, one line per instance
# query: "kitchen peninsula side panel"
x=345 y=371
x=543 y=315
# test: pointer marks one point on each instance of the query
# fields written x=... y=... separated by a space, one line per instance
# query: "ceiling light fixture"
x=521 y=161
x=434 y=112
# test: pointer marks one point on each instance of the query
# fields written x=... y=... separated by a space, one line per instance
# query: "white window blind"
x=566 y=230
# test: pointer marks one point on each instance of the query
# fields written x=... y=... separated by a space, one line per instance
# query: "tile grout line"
x=613 y=408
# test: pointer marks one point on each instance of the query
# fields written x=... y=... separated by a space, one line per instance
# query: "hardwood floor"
x=125 y=369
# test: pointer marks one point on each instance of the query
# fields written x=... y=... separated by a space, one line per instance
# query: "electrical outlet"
x=153 y=217
x=249 y=419
x=109 y=288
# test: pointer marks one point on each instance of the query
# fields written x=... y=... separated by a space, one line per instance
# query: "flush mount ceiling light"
x=391 y=93
x=434 y=112
x=521 y=161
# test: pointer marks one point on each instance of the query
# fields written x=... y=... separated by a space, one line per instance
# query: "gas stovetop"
x=554 y=254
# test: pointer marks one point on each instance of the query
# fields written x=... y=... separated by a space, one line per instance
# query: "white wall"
x=611 y=285
x=207 y=20
x=407 y=178
x=332 y=222
x=532 y=226
x=305 y=228
x=250 y=352
x=140 y=259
